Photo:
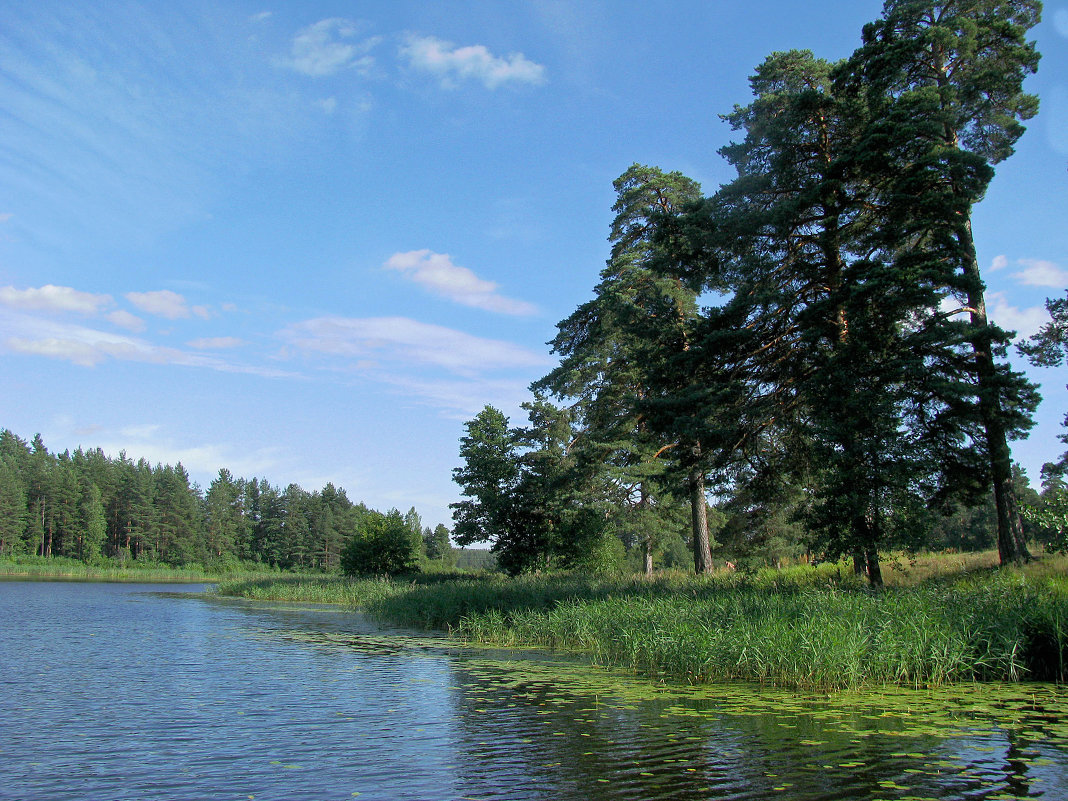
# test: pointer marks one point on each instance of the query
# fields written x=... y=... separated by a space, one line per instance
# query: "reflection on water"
x=128 y=691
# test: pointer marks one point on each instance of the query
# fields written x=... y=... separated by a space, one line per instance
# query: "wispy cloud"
x=437 y=273
x=216 y=343
x=330 y=46
x=1038 y=272
x=89 y=347
x=165 y=303
x=403 y=342
x=131 y=322
x=463 y=399
x=1024 y=322
x=52 y=298
x=152 y=443
x=475 y=62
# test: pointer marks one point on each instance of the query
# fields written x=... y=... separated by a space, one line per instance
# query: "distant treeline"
x=88 y=506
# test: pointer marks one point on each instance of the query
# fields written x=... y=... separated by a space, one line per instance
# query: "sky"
x=307 y=241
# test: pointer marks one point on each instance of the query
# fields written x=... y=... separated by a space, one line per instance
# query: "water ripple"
x=112 y=691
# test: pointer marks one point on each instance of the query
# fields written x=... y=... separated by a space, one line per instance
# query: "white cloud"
x=142 y=431
x=261 y=17
x=123 y=319
x=53 y=299
x=463 y=399
x=436 y=272
x=89 y=347
x=474 y=62
x=1038 y=272
x=216 y=343
x=1024 y=322
x=328 y=46
x=404 y=342
x=162 y=303
x=148 y=442
x=999 y=263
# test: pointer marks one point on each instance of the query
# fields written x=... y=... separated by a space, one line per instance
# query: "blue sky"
x=307 y=241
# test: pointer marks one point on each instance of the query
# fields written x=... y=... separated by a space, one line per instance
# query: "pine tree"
x=1049 y=348
x=835 y=370
x=489 y=479
x=606 y=346
x=944 y=79
x=12 y=509
x=92 y=521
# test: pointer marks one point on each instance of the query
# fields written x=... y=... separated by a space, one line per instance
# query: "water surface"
x=117 y=691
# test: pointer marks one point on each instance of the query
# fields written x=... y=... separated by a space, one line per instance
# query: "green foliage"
x=476 y=560
x=12 y=509
x=382 y=545
x=593 y=545
x=1048 y=348
x=1049 y=515
x=607 y=347
x=96 y=509
x=436 y=545
x=801 y=626
x=943 y=83
x=999 y=629
x=674 y=553
x=519 y=491
x=143 y=570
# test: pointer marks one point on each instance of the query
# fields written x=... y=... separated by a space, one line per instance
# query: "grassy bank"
x=62 y=568
x=801 y=626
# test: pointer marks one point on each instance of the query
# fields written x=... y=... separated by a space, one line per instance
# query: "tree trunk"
x=1012 y=547
x=860 y=563
x=866 y=537
x=875 y=574
x=702 y=552
x=647 y=544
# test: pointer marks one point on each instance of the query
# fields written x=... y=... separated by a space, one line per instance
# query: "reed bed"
x=63 y=568
x=312 y=589
x=994 y=629
x=799 y=626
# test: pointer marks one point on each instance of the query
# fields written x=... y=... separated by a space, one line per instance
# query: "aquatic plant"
x=801 y=626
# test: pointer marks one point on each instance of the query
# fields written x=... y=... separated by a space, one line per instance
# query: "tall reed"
x=800 y=626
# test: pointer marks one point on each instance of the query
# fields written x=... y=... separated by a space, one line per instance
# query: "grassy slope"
x=941 y=619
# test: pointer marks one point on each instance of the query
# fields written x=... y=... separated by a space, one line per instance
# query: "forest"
x=88 y=506
x=809 y=346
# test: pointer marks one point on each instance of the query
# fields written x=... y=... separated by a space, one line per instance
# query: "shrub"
x=382 y=545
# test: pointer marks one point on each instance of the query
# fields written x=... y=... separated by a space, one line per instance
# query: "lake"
x=133 y=691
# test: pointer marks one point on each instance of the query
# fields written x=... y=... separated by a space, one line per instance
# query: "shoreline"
x=803 y=627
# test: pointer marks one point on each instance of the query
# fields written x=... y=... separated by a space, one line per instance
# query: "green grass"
x=939 y=622
x=63 y=568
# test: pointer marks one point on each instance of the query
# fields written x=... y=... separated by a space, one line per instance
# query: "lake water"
x=126 y=691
